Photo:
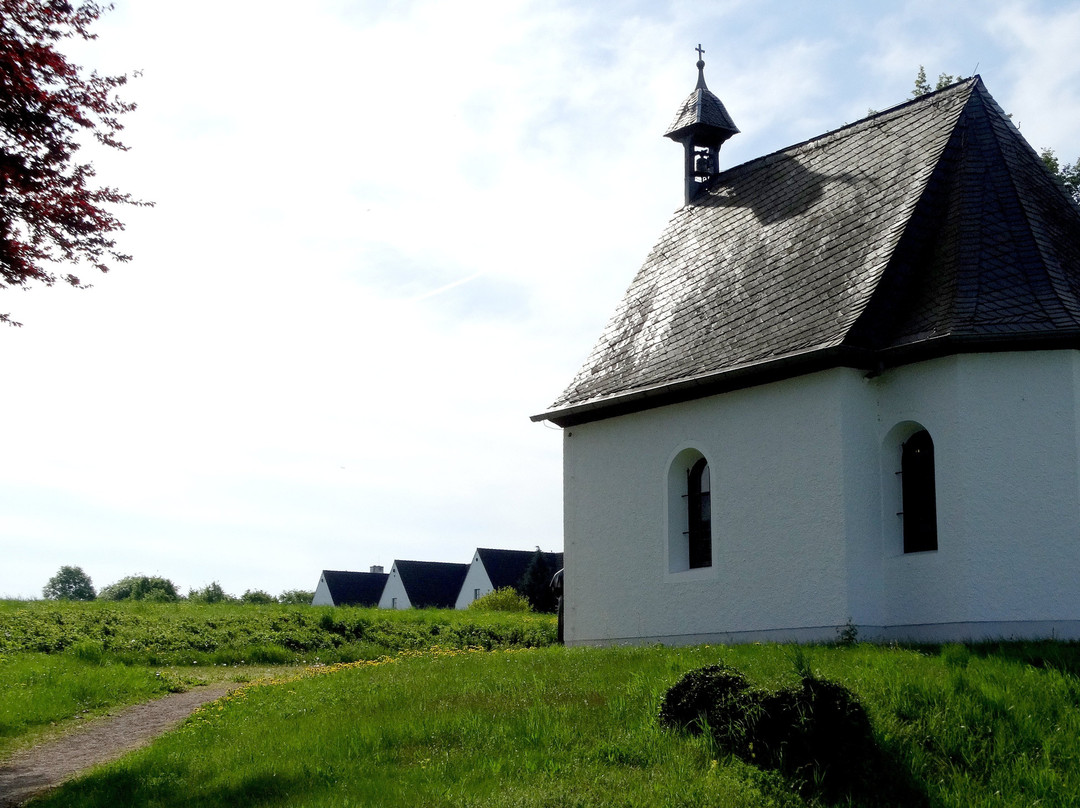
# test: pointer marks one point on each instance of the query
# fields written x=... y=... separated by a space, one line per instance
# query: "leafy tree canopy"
x=70 y=583
x=51 y=210
x=141 y=587
x=922 y=86
x=257 y=596
x=535 y=584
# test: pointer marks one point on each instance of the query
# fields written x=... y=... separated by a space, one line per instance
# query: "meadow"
x=513 y=725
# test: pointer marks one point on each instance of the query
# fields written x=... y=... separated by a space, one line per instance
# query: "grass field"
x=548 y=726
x=62 y=662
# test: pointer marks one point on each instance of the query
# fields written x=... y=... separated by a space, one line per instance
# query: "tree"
x=257 y=597
x=1067 y=173
x=535 y=584
x=50 y=208
x=70 y=583
x=922 y=86
x=141 y=587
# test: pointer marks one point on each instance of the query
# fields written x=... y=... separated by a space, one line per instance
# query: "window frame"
x=685 y=493
x=918 y=493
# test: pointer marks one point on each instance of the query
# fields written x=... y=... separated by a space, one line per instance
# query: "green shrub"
x=211 y=593
x=506 y=599
x=257 y=597
x=141 y=587
x=296 y=597
x=817 y=734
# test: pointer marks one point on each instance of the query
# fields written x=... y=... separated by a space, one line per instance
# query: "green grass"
x=577 y=727
x=41 y=690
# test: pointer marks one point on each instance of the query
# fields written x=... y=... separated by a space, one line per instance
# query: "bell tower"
x=702 y=126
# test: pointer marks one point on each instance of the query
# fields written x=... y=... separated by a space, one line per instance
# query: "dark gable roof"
x=929 y=229
x=508 y=567
x=432 y=583
x=355 y=588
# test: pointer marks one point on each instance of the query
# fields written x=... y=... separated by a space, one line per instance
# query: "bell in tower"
x=702 y=126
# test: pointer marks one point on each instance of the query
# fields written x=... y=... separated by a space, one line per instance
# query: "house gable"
x=423 y=584
x=493 y=569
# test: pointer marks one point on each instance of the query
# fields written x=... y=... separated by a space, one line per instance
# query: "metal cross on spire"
x=700 y=52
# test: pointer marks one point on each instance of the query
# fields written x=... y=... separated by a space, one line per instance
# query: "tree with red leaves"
x=50 y=209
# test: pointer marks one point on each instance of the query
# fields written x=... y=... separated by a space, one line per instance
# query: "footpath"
x=35 y=770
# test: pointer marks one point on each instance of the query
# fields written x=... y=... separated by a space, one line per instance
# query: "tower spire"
x=702 y=125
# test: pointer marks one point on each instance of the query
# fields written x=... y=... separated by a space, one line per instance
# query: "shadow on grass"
x=816 y=735
x=131 y=789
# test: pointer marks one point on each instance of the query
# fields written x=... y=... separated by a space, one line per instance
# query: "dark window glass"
x=919 y=499
x=699 y=514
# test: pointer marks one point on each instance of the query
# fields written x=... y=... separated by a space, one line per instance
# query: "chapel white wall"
x=779 y=560
x=805 y=532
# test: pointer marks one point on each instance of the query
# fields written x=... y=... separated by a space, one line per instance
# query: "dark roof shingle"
x=508 y=567
x=434 y=584
x=355 y=588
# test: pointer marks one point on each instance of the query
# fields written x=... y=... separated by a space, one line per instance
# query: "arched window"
x=699 y=514
x=689 y=513
x=919 y=500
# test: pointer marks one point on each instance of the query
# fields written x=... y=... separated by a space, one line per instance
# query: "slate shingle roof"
x=702 y=109
x=355 y=588
x=928 y=229
x=434 y=584
x=508 y=567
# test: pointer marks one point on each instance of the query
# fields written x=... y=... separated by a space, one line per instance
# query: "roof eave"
x=799 y=364
x=734 y=378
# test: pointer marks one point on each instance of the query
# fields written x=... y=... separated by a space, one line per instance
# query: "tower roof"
x=702 y=115
x=929 y=229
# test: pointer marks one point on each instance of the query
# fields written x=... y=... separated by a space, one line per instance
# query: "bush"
x=257 y=596
x=817 y=733
x=296 y=597
x=141 y=587
x=506 y=599
x=211 y=593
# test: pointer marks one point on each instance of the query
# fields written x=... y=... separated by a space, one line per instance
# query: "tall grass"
x=216 y=634
x=40 y=690
x=577 y=727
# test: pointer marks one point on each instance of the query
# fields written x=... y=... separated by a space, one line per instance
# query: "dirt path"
x=100 y=740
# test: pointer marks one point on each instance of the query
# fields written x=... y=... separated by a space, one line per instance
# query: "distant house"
x=423 y=584
x=342 y=588
x=844 y=389
x=495 y=569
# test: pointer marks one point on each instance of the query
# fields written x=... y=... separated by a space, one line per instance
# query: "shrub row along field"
x=198 y=634
x=579 y=727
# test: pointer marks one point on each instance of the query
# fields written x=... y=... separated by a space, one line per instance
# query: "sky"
x=385 y=234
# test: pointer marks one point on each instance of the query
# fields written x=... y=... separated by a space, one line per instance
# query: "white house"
x=842 y=390
x=346 y=588
x=422 y=584
x=495 y=569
